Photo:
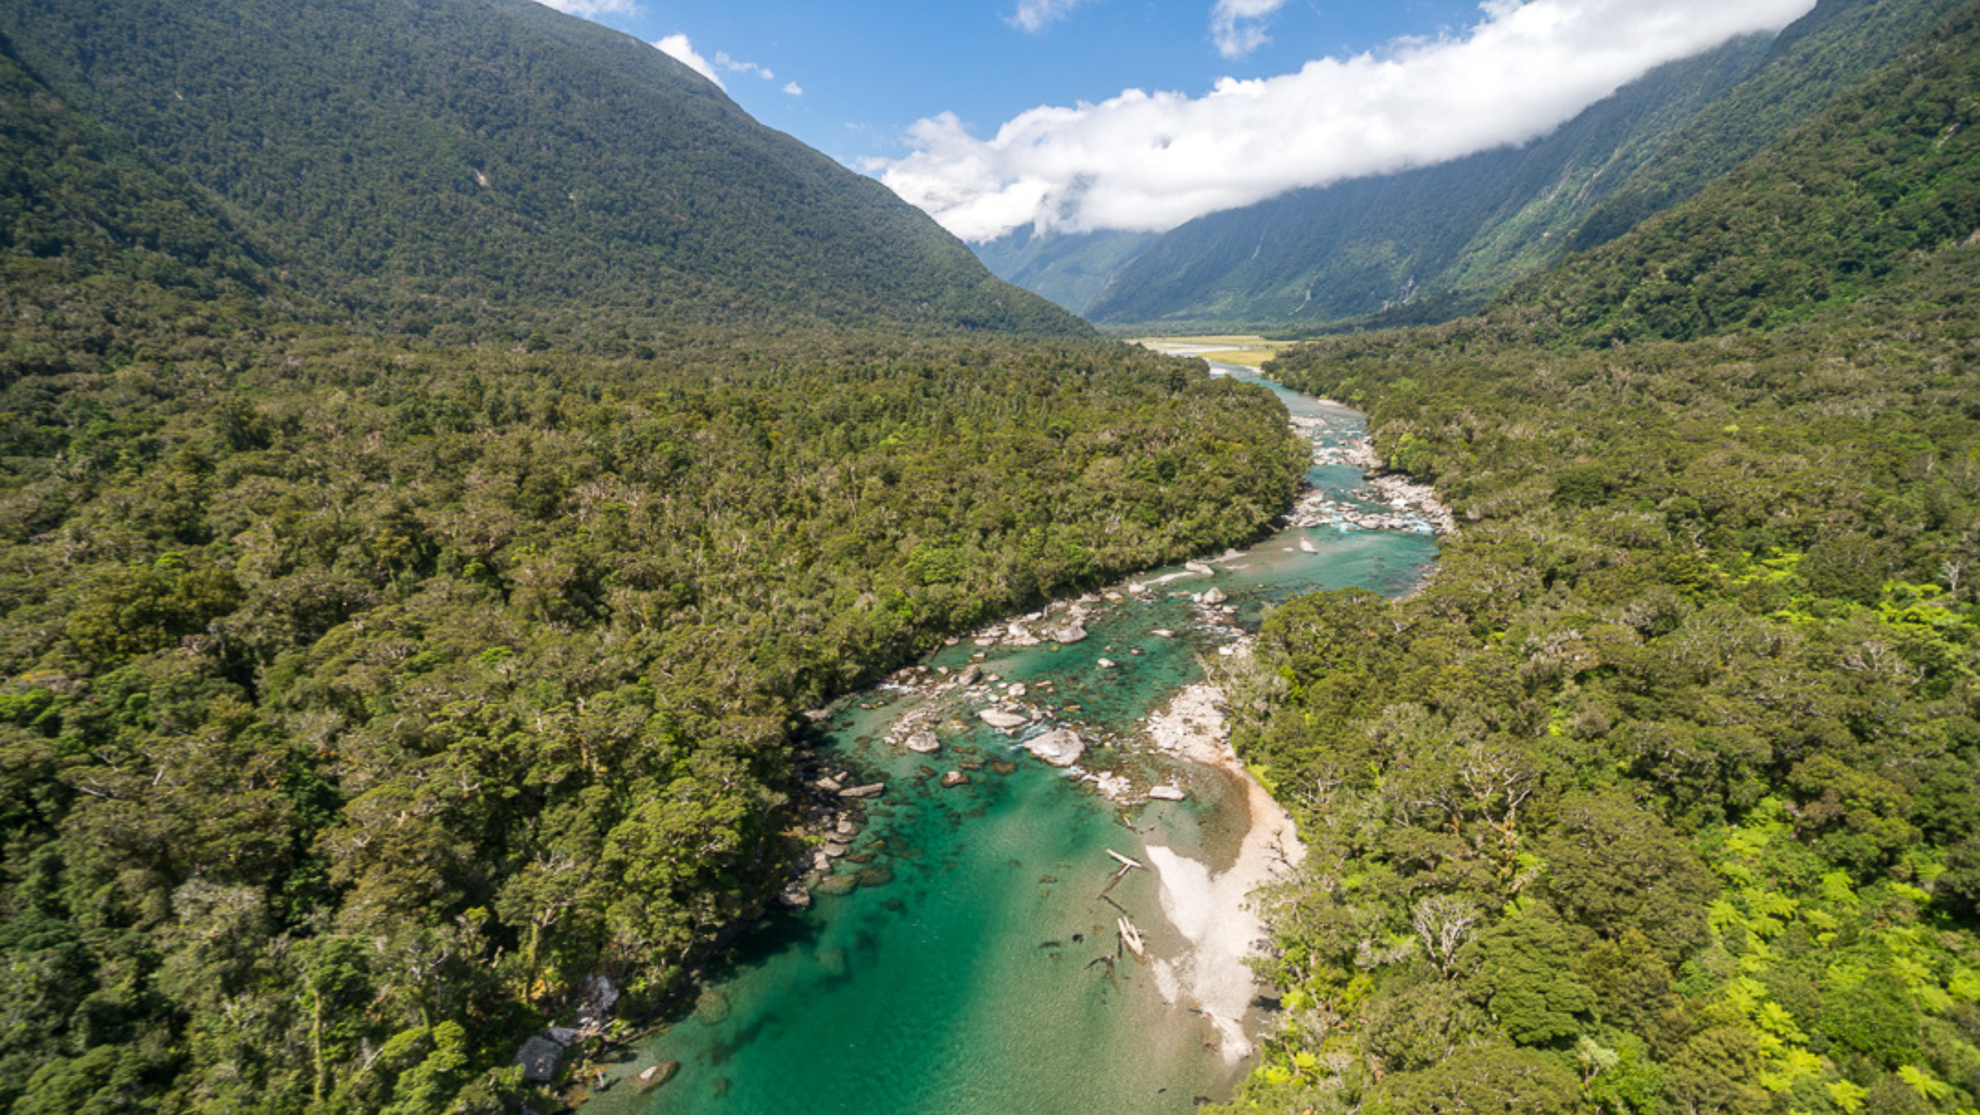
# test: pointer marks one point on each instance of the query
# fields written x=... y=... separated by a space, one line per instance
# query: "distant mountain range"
x=467 y=169
x=1435 y=242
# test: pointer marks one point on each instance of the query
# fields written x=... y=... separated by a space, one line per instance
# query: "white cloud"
x=1155 y=160
x=1036 y=15
x=734 y=66
x=592 y=9
x=1239 y=25
x=681 y=50
x=793 y=89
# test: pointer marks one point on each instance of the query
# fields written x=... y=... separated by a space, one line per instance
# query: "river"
x=976 y=968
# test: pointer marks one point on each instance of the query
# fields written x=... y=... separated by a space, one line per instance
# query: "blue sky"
x=867 y=69
x=1086 y=114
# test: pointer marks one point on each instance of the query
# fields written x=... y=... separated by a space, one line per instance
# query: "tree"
x=1523 y=971
x=1489 y=1079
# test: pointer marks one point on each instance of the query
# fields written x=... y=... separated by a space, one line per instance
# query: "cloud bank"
x=1151 y=161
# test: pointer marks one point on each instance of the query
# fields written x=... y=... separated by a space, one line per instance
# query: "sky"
x=1083 y=115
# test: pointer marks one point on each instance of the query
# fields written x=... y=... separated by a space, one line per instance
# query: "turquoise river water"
x=964 y=975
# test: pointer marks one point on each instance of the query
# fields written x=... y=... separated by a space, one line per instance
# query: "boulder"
x=1108 y=663
x=837 y=884
x=971 y=674
x=795 y=896
x=1215 y=596
x=953 y=779
x=711 y=1007
x=1061 y=747
x=538 y=1058
x=653 y=1076
x=1071 y=633
x=1199 y=568
x=871 y=790
x=923 y=743
x=999 y=718
x=1167 y=792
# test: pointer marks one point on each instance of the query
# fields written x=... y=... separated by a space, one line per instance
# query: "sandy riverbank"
x=1209 y=903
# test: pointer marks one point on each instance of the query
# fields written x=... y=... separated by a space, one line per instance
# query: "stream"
x=973 y=963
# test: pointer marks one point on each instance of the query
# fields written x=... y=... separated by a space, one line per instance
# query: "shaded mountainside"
x=462 y=167
x=1664 y=796
x=1071 y=269
x=1432 y=243
x=362 y=692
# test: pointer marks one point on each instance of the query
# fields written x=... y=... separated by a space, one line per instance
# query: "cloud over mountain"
x=1152 y=161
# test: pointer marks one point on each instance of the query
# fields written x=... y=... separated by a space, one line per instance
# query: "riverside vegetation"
x=398 y=633
x=1664 y=795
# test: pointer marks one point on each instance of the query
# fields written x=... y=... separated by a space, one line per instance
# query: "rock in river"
x=1061 y=747
x=953 y=779
x=838 y=884
x=655 y=1075
x=923 y=743
x=1167 y=792
x=998 y=718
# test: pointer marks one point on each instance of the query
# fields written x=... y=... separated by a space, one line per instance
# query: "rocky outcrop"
x=539 y=1057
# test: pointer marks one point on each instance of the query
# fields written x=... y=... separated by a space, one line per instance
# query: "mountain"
x=462 y=169
x=1441 y=233
x=1070 y=268
x=1811 y=61
x=1430 y=243
x=1875 y=187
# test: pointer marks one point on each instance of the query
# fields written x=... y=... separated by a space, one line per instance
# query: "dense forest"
x=1664 y=794
x=391 y=645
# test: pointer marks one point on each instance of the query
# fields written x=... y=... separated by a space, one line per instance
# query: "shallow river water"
x=964 y=974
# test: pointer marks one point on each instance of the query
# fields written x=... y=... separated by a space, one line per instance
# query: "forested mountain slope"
x=1427 y=244
x=468 y=168
x=1664 y=796
x=1452 y=230
x=1874 y=186
x=363 y=693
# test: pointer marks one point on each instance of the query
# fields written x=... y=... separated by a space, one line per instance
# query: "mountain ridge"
x=406 y=154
